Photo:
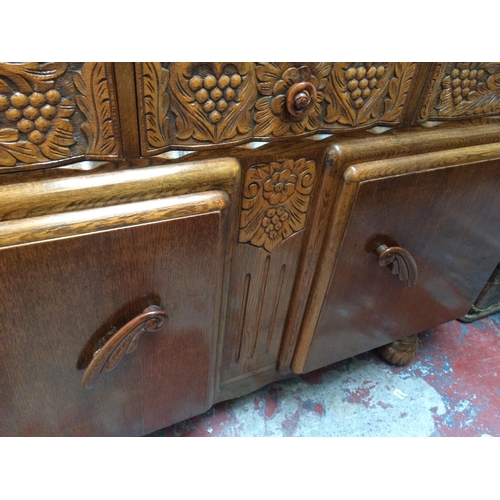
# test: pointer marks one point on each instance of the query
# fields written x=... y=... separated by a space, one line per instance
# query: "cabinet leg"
x=400 y=351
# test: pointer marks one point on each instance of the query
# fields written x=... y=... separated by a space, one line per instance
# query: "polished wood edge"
x=319 y=220
x=323 y=274
x=55 y=226
x=417 y=163
x=412 y=141
x=99 y=190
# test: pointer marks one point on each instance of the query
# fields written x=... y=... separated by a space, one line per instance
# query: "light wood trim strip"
x=419 y=163
x=49 y=227
x=18 y=201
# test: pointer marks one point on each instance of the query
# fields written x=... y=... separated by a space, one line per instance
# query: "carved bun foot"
x=400 y=351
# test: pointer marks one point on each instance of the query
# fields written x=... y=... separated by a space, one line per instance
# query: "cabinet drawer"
x=73 y=282
x=445 y=219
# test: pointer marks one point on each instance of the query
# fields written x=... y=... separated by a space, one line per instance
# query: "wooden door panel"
x=448 y=220
x=58 y=300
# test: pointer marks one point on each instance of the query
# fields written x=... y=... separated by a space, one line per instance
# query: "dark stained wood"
x=126 y=93
x=253 y=193
x=90 y=284
x=451 y=240
x=332 y=209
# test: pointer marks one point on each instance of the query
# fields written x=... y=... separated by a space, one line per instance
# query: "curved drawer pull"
x=403 y=264
x=124 y=341
x=300 y=98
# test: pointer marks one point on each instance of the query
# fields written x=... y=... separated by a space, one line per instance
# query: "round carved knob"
x=300 y=98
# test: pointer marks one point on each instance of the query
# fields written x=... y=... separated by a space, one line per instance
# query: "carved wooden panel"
x=57 y=111
x=201 y=104
x=276 y=80
x=368 y=93
x=461 y=90
x=194 y=103
x=276 y=198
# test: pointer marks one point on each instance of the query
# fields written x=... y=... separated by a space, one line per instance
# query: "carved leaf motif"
x=95 y=104
x=55 y=145
x=32 y=74
x=276 y=198
x=156 y=102
x=212 y=101
x=399 y=87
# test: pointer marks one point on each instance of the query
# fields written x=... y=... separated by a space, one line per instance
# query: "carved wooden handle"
x=300 y=98
x=403 y=264
x=124 y=341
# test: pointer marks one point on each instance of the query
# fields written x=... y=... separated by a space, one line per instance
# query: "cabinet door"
x=72 y=281
x=445 y=219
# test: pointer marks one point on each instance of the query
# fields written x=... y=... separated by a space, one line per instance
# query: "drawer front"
x=458 y=90
x=51 y=113
x=445 y=220
x=203 y=104
x=64 y=298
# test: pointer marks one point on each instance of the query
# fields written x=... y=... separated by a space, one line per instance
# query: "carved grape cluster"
x=215 y=94
x=464 y=81
x=361 y=80
x=32 y=113
x=273 y=220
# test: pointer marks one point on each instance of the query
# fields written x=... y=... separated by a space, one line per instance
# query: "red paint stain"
x=360 y=396
x=314 y=377
x=384 y=405
x=319 y=409
x=271 y=403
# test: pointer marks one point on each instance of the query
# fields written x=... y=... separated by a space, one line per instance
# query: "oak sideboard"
x=173 y=235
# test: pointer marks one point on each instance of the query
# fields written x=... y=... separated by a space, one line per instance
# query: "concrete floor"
x=451 y=388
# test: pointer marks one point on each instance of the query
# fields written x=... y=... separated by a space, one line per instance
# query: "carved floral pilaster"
x=276 y=198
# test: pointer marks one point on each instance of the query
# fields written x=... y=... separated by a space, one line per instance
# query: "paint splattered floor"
x=451 y=388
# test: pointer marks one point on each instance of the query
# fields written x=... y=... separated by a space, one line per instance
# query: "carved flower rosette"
x=363 y=93
x=276 y=80
x=212 y=101
x=33 y=114
x=469 y=89
x=276 y=198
